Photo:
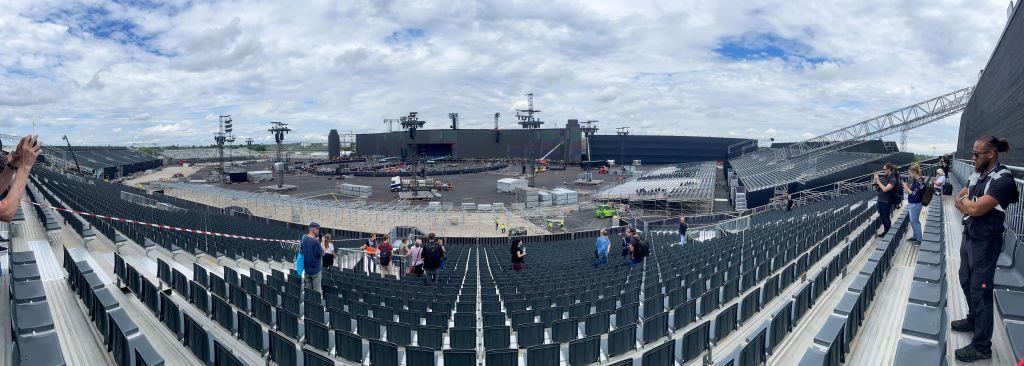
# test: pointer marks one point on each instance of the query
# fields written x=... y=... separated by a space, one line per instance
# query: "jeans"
x=431 y=275
x=915 y=219
x=682 y=240
x=885 y=215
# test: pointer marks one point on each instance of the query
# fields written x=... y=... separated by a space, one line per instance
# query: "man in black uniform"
x=983 y=203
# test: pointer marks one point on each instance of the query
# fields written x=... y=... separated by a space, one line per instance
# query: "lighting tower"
x=589 y=129
x=411 y=123
x=622 y=132
x=279 y=129
x=526 y=116
x=223 y=135
x=455 y=120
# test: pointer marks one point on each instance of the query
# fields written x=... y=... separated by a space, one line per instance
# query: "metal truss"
x=900 y=120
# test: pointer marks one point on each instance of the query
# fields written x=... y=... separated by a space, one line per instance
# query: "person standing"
x=518 y=254
x=385 y=250
x=370 y=248
x=416 y=259
x=638 y=248
x=915 y=192
x=983 y=202
x=328 y=250
x=312 y=251
x=602 y=247
x=682 y=231
x=14 y=175
x=789 y=202
x=885 y=184
x=432 y=254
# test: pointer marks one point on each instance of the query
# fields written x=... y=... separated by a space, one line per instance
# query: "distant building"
x=333 y=145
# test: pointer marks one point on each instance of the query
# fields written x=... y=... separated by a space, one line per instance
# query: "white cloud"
x=164 y=73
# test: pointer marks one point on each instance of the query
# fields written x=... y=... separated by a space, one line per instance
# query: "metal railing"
x=369 y=264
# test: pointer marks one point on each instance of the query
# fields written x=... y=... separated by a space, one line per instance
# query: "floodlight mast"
x=279 y=129
x=622 y=132
x=223 y=135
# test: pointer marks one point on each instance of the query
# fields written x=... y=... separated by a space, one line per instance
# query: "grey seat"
x=24 y=272
x=924 y=321
x=930 y=274
x=22 y=258
x=913 y=352
x=931 y=247
x=1011 y=278
x=830 y=330
x=929 y=294
x=933 y=237
x=1010 y=304
x=859 y=284
x=27 y=291
x=31 y=318
x=1015 y=334
x=1009 y=247
x=38 y=349
x=813 y=357
x=931 y=259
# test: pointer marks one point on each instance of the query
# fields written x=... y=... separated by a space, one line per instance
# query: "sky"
x=147 y=72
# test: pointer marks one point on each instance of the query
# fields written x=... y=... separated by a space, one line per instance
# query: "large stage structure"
x=764 y=176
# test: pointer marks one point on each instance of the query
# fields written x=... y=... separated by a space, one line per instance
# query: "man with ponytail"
x=983 y=203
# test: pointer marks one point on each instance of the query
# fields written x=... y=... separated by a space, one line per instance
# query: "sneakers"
x=970 y=354
x=962 y=325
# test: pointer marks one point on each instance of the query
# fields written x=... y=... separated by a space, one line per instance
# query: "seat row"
x=119 y=333
x=35 y=339
x=924 y=324
x=832 y=342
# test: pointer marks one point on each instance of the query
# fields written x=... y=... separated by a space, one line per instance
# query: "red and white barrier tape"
x=165 y=227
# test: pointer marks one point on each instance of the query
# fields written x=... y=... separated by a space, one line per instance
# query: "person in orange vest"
x=370 y=247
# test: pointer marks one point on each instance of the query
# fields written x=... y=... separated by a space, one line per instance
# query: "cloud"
x=788 y=69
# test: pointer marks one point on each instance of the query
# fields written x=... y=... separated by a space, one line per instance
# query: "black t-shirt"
x=1003 y=188
x=887 y=196
x=516 y=251
x=682 y=228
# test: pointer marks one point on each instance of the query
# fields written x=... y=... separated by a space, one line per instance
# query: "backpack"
x=898 y=189
x=432 y=255
x=643 y=248
x=929 y=191
x=385 y=257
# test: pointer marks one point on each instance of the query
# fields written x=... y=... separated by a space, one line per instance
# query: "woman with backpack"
x=915 y=192
x=518 y=254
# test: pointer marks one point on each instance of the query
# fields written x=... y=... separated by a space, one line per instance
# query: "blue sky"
x=117 y=72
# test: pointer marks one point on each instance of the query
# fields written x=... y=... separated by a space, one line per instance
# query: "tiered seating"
x=105 y=199
x=35 y=341
x=832 y=341
x=106 y=161
x=757 y=174
x=120 y=334
x=694 y=181
x=924 y=326
x=675 y=306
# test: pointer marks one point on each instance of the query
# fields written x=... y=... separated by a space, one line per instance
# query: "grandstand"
x=106 y=162
x=690 y=187
x=760 y=177
x=206 y=155
x=812 y=286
